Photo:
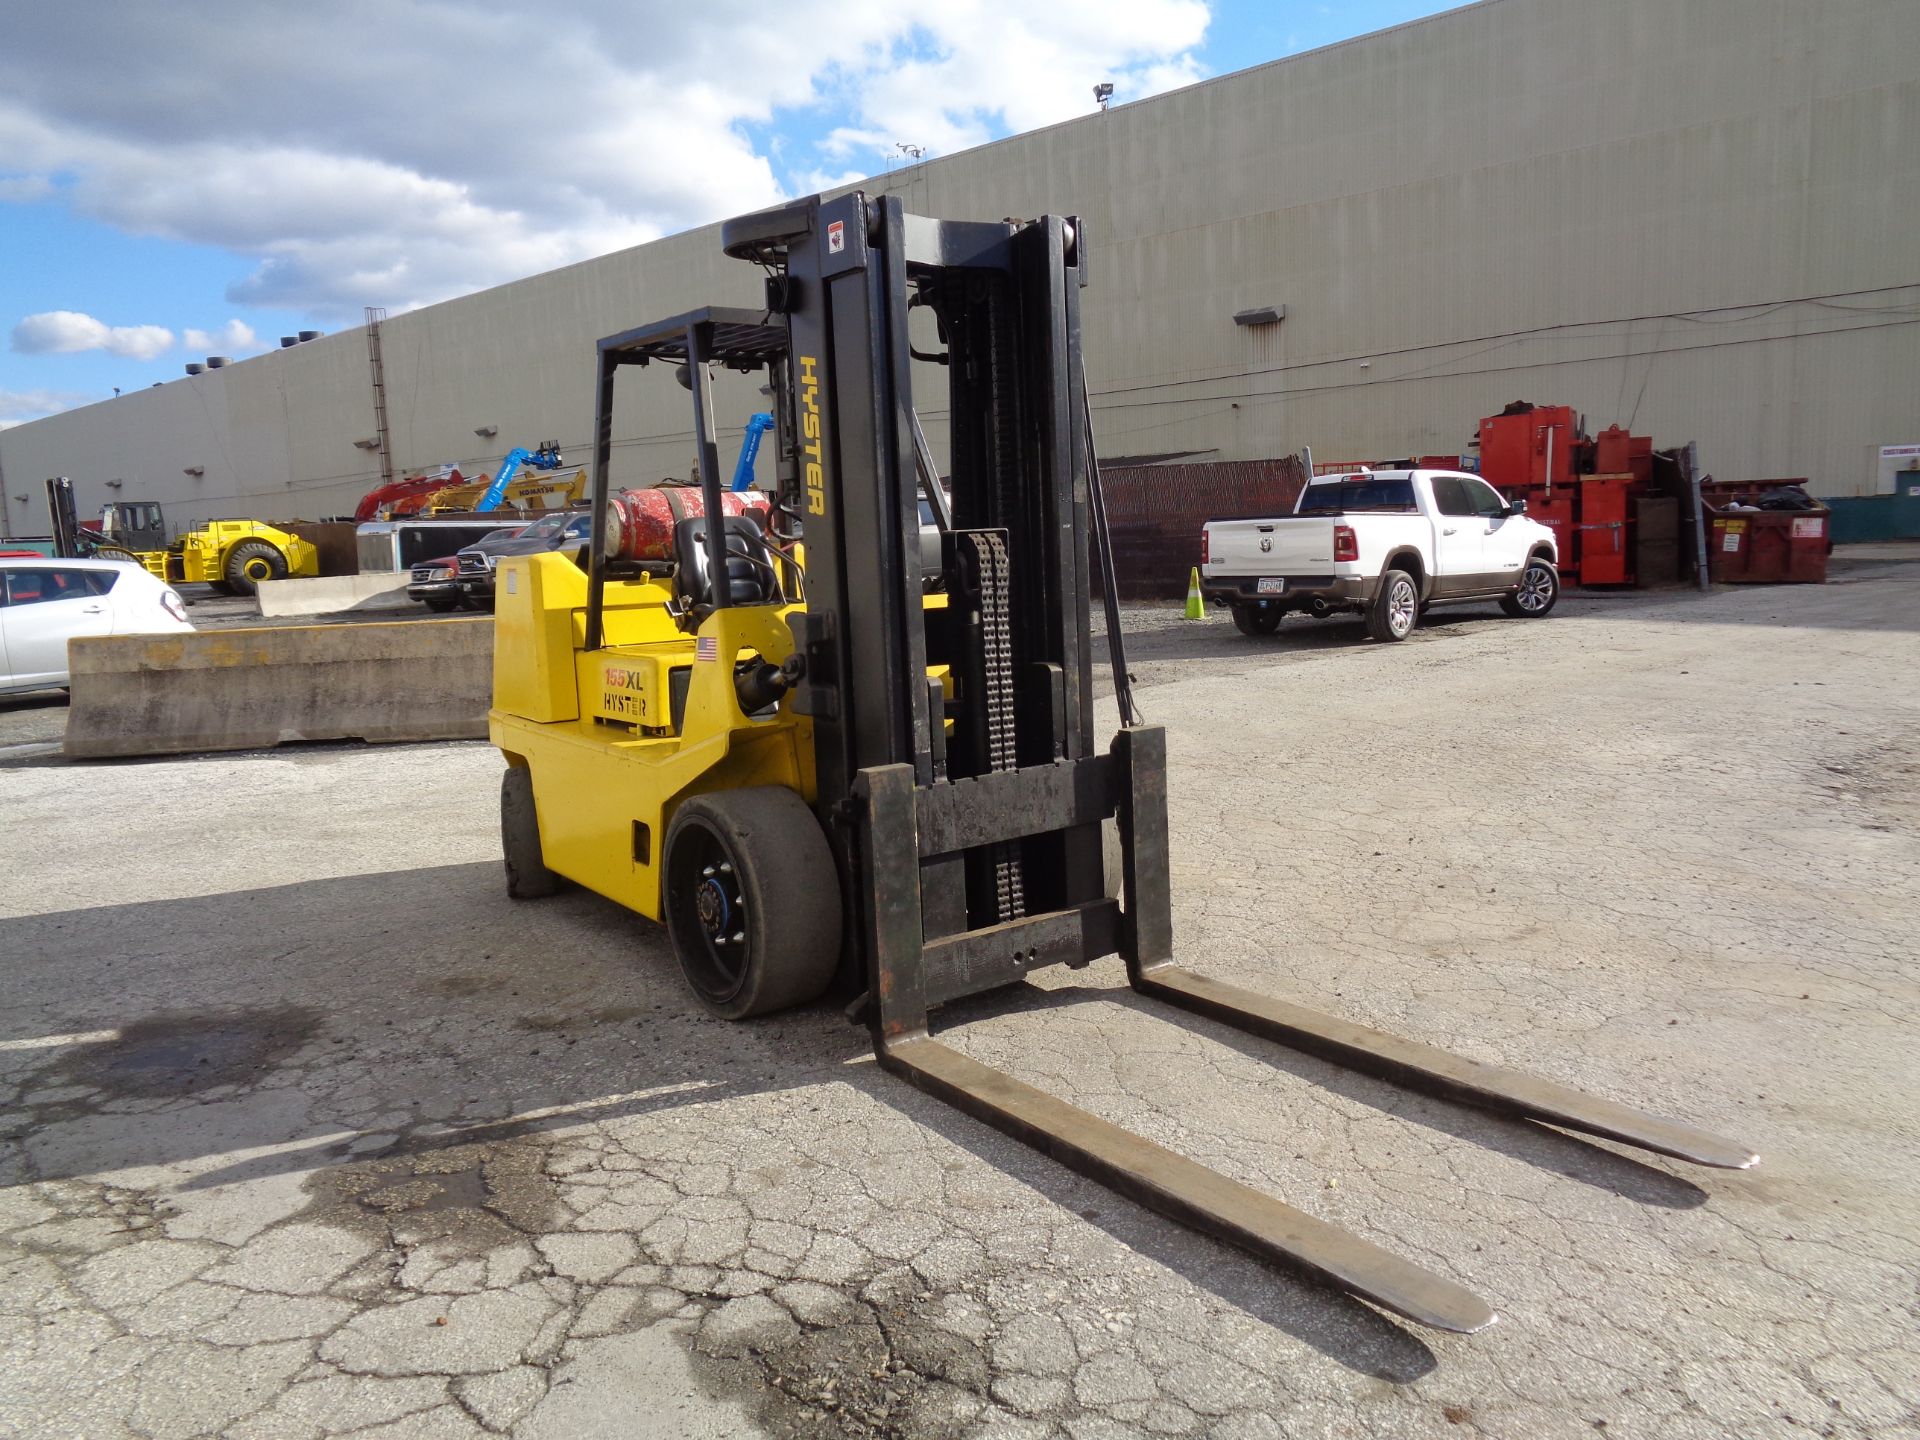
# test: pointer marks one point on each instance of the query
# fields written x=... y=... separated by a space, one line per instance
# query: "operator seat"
x=751 y=579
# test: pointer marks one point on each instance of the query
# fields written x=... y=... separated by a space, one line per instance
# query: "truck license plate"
x=1268 y=585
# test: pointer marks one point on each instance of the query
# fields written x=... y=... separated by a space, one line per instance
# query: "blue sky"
x=175 y=183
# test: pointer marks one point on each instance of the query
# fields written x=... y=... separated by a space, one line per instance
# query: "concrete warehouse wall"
x=1701 y=217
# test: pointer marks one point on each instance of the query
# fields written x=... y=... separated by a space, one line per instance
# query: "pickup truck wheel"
x=528 y=877
x=1396 y=607
x=1539 y=589
x=751 y=897
x=1259 y=618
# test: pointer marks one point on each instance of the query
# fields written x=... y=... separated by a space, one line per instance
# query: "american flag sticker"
x=707 y=649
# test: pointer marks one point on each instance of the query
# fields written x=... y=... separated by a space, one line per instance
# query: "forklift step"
x=1435 y=1071
x=1185 y=1190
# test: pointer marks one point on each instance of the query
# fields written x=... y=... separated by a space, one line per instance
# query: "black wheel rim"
x=709 y=914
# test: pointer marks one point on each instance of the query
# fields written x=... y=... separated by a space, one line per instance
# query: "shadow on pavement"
x=448 y=994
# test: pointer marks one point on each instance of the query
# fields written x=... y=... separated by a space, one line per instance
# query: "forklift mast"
x=1014 y=635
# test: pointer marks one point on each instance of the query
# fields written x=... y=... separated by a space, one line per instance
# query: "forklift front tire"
x=752 y=901
x=528 y=877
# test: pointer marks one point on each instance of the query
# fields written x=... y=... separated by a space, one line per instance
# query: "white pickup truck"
x=1385 y=543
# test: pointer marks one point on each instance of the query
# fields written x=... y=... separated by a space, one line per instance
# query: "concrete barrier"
x=331 y=594
x=247 y=689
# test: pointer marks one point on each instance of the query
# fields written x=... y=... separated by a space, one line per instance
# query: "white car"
x=45 y=603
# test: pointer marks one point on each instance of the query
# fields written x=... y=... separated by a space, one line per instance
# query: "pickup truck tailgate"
x=1293 y=546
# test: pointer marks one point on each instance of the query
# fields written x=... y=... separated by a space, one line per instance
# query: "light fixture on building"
x=486 y=432
x=195 y=470
x=1102 y=93
x=115 y=484
x=372 y=442
x=1260 y=315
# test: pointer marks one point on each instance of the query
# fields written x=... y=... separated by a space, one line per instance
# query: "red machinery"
x=1581 y=488
x=392 y=497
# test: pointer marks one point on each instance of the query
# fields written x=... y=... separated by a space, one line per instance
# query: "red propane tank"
x=640 y=522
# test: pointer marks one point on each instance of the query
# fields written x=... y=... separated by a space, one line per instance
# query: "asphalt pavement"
x=311 y=1131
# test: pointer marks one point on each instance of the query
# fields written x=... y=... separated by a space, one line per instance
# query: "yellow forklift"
x=813 y=764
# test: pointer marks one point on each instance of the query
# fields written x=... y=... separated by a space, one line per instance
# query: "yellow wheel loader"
x=813 y=767
x=231 y=555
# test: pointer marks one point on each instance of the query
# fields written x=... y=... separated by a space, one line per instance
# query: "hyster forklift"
x=810 y=763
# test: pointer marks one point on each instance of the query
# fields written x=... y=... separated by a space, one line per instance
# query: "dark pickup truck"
x=567 y=531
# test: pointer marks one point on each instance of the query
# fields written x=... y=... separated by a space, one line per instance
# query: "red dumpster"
x=1765 y=546
x=1768 y=547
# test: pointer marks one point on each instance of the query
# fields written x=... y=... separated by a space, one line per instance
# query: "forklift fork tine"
x=1184 y=1189
x=1435 y=1071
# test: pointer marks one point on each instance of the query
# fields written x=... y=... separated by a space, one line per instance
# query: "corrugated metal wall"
x=1696 y=217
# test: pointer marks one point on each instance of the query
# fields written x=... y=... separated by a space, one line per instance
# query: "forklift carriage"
x=783 y=744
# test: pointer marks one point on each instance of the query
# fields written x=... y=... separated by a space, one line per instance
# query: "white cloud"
x=69 y=332
x=374 y=152
x=17 y=407
x=24 y=189
x=236 y=337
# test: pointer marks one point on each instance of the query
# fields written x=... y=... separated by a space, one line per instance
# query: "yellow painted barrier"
x=248 y=689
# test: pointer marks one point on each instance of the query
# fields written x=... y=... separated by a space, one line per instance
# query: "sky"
x=185 y=181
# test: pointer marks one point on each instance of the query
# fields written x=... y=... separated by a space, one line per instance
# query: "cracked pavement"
x=310 y=1131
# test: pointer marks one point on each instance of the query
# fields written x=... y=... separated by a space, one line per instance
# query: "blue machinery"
x=757 y=425
x=547 y=457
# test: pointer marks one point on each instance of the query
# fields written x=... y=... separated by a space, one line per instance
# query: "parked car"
x=550 y=532
x=45 y=603
x=436 y=583
x=1384 y=543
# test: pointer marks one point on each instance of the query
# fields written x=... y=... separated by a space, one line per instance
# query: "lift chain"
x=996 y=639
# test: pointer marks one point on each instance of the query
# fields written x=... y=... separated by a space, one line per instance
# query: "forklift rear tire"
x=252 y=561
x=752 y=901
x=1259 y=618
x=528 y=877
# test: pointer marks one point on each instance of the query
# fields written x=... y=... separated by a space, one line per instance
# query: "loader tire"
x=528 y=877
x=252 y=561
x=1395 y=608
x=751 y=898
